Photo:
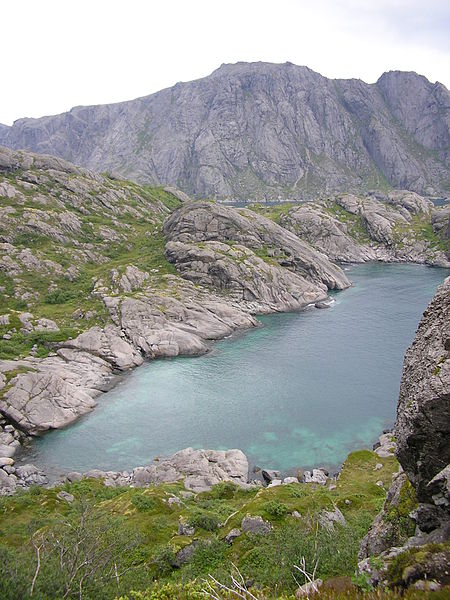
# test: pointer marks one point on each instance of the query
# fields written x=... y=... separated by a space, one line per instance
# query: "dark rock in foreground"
x=407 y=532
x=423 y=425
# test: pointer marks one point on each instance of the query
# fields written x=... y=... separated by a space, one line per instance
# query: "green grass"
x=145 y=516
x=273 y=212
x=353 y=222
x=267 y=559
x=420 y=229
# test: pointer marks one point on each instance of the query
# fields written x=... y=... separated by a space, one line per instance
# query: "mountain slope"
x=261 y=130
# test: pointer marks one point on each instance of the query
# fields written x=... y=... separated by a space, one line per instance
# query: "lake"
x=302 y=390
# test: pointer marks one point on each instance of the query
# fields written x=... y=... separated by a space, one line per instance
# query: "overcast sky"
x=57 y=54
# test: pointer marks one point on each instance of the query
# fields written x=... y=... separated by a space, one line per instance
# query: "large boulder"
x=52 y=392
x=200 y=469
x=38 y=401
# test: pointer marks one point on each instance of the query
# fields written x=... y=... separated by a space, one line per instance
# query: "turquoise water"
x=303 y=390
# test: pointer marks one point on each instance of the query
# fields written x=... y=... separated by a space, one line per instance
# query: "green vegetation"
x=419 y=229
x=353 y=222
x=272 y=211
x=136 y=529
x=68 y=237
x=419 y=559
x=398 y=516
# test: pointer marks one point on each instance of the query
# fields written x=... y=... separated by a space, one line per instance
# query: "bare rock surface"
x=108 y=344
x=252 y=130
x=38 y=401
x=423 y=427
x=375 y=227
x=201 y=222
x=312 y=223
x=245 y=275
x=200 y=470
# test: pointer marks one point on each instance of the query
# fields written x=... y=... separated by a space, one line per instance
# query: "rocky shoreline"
x=198 y=469
x=223 y=266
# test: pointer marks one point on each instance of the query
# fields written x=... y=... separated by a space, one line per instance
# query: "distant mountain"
x=255 y=130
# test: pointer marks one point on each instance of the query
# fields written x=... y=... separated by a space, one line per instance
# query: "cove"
x=302 y=390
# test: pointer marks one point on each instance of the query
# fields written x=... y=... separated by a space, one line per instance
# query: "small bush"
x=296 y=491
x=205 y=520
x=143 y=502
x=276 y=509
x=59 y=297
x=164 y=560
x=224 y=489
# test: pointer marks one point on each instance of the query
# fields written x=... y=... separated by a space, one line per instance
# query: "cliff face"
x=410 y=535
x=423 y=424
x=253 y=130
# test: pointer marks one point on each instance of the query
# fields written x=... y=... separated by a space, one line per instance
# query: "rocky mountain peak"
x=261 y=130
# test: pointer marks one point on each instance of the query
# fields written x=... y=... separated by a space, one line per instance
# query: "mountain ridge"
x=261 y=130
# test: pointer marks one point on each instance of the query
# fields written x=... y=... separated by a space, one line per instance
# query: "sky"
x=57 y=54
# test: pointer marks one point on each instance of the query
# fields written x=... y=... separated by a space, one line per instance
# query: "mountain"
x=261 y=130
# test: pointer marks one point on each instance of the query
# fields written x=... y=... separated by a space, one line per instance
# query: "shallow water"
x=303 y=390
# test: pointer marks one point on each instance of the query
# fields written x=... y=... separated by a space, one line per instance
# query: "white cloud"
x=60 y=54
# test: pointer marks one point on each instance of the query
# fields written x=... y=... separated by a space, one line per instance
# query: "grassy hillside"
x=63 y=233
x=137 y=530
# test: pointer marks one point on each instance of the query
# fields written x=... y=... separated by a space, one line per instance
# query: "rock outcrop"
x=263 y=287
x=386 y=227
x=415 y=520
x=314 y=224
x=255 y=130
x=199 y=469
x=201 y=222
x=423 y=426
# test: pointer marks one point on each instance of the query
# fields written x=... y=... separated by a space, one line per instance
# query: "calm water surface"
x=303 y=390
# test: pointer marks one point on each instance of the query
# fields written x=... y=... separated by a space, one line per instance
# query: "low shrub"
x=143 y=502
x=276 y=509
x=205 y=520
